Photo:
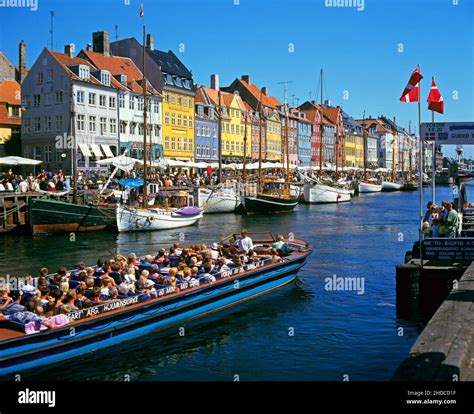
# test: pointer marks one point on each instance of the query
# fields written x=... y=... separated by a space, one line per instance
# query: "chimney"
x=327 y=102
x=68 y=50
x=215 y=81
x=89 y=47
x=265 y=90
x=101 y=43
x=21 y=61
x=149 y=42
x=246 y=78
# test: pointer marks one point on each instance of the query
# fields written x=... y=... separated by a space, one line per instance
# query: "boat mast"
x=364 y=140
x=244 y=173
x=260 y=115
x=287 y=140
x=219 y=139
x=321 y=129
x=144 y=122
x=393 y=150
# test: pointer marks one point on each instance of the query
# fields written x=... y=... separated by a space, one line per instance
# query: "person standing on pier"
x=451 y=222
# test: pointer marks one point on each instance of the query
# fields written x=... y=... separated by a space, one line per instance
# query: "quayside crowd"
x=440 y=221
x=44 y=302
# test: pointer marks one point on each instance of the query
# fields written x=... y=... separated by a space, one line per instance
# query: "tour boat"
x=114 y=322
x=367 y=187
x=147 y=219
x=321 y=194
x=51 y=216
x=391 y=186
x=219 y=200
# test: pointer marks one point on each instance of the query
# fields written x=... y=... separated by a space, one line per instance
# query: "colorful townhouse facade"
x=312 y=113
x=10 y=114
x=354 y=142
x=206 y=133
x=128 y=80
x=169 y=76
x=266 y=106
x=71 y=112
x=304 y=140
x=292 y=134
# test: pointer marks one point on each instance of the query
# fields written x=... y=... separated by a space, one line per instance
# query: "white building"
x=70 y=108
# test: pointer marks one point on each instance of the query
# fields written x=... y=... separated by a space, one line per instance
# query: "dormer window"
x=200 y=110
x=105 y=77
x=84 y=72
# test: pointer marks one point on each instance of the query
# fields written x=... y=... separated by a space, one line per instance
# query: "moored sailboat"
x=367 y=186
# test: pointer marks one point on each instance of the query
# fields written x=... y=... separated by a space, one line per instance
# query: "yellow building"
x=350 y=150
x=274 y=137
x=359 y=151
x=10 y=112
x=233 y=110
x=178 y=124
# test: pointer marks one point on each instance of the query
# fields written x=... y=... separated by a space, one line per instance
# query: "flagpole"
x=433 y=169
x=420 y=170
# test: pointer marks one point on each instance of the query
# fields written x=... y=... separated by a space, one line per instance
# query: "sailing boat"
x=272 y=197
x=143 y=218
x=367 y=185
x=392 y=185
x=314 y=191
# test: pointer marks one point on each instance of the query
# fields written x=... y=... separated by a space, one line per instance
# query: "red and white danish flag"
x=411 y=93
x=436 y=102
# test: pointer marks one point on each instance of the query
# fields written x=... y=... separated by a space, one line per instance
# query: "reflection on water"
x=301 y=332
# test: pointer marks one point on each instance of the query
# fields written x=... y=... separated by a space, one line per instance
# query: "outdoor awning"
x=96 y=150
x=131 y=183
x=107 y=151
x=85 y=150
x=13 y=160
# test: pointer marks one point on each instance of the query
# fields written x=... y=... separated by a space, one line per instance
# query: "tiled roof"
x=379 y=126
x=266 y=100
x=170 y=63
x=10 y=92
x=226 y=98
x=117 y=65
x=66 y=61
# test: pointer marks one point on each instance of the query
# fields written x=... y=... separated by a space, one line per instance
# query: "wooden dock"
x=444 y=351
x=13 y=209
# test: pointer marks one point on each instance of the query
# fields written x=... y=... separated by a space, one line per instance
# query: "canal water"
x=302 y=332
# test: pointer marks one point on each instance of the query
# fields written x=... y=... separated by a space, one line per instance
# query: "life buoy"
x=150 y=219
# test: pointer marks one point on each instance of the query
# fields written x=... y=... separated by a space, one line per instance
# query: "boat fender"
x=150 y=219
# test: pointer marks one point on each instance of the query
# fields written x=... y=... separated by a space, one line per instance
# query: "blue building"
x=206 y=129
x=304 y=140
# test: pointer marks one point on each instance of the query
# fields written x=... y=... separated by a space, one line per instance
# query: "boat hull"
x=324 y=194
x=134 y=219
x=51 y=216
x=389 y=186
x=218 y=202
x=269 y=204
x=32 y=351
x=369 y=188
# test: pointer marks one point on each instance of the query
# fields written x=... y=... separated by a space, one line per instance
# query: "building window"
x=92 y=98
x=167 y=118
x=113 y=126
x=37 y=124
x=103 y=101
x=112 y=102
x=200 y=110
x=36 y=100
x=59 y=97
x=232 y=128
x=173 y=143
x=92 y=123
x=80 y=122
x=208 y=131
x=27 y=125
x=227 y=127
x=59 y=122
x=47 y=123
x=190 y=122
x=122 y=100
x=179 y=119
x=185 y=120
x=140 y=129
x=155 y=106
x=180 y=100
x=39 y=77
x=131 y=102
x=123 y=126
x=227 y=146
x=105 y=77
x=140 y=104
x=103 y=126
x=214 y=132
x=190 y=102
x=50 y=76
x=38 y=153
x=173 y=119
x=190 y=144
x=132 y=127
x=172 y=98
x=167 y=143
x=48 y=152
x=80 y=97
x=84 y=72
x=185 y=145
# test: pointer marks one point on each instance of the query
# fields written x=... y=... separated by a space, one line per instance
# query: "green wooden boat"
x=51 y=216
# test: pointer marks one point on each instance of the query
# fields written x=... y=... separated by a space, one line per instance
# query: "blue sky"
x=360 y=51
